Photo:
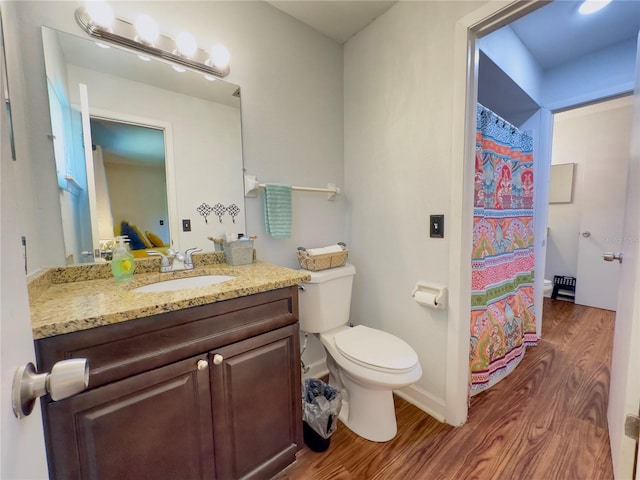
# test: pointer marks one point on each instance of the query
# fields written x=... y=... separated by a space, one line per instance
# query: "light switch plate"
x=436 y=226
x=186 y=225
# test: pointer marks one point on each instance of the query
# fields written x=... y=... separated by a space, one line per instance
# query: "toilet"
x=364 y=363
x=548 y=288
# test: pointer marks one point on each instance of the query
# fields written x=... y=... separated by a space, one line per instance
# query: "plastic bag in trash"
x=321 y=405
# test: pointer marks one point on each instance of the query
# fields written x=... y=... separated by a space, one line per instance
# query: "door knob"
x=586 y=234
x=610 y=256
x=67 y=378
x=218 y=359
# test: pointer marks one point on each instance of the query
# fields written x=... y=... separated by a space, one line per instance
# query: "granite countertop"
x=64 y=301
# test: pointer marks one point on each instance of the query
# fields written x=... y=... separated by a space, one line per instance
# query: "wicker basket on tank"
x=325 y=261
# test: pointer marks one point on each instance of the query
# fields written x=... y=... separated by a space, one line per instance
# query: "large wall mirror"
x=140 y=147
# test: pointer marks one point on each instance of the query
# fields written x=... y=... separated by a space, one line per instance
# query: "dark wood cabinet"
x=153 y=425
x=256 y=406
x=209 y=392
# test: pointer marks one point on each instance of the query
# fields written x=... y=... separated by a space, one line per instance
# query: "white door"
x=624 y=392
x=21 y=441
x=605 y=150
x=91 y=178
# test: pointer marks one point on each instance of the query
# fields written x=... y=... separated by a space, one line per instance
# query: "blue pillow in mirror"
x=135 y=242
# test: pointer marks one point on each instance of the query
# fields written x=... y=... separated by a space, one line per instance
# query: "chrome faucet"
x=175 y=261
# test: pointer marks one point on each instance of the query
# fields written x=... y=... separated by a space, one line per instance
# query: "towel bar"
x=251 y=187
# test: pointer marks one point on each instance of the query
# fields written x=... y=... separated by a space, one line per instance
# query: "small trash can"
x=321 y=405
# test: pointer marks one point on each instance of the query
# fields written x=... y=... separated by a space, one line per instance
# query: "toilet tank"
x=325 y=301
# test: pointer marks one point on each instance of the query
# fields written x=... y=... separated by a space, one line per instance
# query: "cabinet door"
x=153 y=425
x=257 y=406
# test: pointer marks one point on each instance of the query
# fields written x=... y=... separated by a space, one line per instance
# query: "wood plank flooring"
x=546 y=420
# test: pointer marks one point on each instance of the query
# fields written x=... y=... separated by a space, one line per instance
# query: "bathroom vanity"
x=212 y=390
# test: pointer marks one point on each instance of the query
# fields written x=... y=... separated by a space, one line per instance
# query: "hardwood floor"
x=546 y=420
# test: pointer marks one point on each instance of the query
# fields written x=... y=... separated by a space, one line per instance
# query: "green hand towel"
x=277 y=210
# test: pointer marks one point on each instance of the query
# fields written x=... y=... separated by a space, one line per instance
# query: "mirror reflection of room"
x=200 y=121
x=130 y=178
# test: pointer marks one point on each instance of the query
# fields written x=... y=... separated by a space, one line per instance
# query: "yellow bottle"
x=122 y=264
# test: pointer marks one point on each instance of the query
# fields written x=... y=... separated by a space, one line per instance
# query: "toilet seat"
x=376 y=349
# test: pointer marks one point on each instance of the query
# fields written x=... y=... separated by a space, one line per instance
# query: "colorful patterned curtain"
x=502 y=318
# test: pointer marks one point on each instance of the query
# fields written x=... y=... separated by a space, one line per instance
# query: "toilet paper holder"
x=432 y=295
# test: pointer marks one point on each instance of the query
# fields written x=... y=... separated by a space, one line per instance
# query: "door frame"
x=468 y=30
x=169 y=161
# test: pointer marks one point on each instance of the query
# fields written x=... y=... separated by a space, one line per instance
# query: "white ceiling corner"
x=338 y=20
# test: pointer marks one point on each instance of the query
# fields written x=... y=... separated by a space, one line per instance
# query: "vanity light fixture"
x=186 y=46
x=101 y=13
x=147 y=30
x=144 y=38
x=592 y=6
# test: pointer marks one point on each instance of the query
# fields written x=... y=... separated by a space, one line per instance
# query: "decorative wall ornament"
x=205 y=210
x=219 y=209
x=233 y=210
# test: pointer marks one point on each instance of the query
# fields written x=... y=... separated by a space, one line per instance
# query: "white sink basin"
x=183 y=283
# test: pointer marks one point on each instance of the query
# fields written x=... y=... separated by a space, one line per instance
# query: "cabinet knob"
x=217 y=359
x=202 y=364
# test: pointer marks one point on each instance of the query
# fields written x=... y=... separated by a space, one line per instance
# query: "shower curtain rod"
x=498 y=117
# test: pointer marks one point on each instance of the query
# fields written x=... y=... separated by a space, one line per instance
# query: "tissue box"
x=239 y=252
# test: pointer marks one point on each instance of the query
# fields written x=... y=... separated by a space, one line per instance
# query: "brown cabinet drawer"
x=128 y=348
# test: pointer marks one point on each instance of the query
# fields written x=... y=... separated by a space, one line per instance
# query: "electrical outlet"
x=436 y=226
x=186 y=225
x=161 y=222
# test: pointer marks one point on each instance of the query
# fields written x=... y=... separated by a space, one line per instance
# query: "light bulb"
x=147 y=29
x=591 y=6
x=178 y=68
x=101 y=13
x=219 y=56
x=211 y=78
x=186 y=44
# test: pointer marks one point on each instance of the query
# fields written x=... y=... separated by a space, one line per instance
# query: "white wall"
x=577 y=139
x=507 y=51
x=540 y=127
x=292 y=119
x=139 y=186
x=398 y=143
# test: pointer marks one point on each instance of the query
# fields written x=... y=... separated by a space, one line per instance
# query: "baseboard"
x=424 y=401
x=415 y=395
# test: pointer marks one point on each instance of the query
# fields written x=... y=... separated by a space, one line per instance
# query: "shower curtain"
x=502 y=318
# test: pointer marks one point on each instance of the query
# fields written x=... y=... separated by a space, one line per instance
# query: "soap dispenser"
x=122 y=264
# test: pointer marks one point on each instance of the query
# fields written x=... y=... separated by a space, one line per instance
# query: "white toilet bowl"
x=367 y=365
x=548 y=288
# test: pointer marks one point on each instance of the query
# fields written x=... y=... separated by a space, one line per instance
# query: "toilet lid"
x=375 y=348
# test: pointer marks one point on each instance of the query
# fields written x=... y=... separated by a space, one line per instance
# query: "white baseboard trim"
x=415 y=395
x=426 y=402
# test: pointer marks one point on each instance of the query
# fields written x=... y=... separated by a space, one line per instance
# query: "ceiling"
x=337 y=19
x=131 y=144
x=557 y=33
x=554 y=34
